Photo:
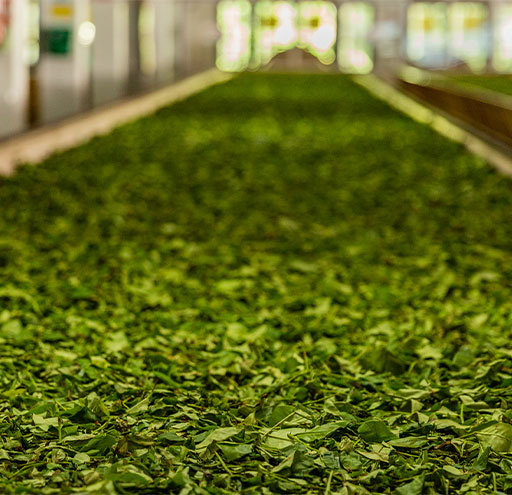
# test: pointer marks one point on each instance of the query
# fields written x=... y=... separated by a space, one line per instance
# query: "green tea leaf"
x=498 y=437
x=320 y=432
x=218 y=435
x=409 y=442
x=234 y=452
x=374 y=430
x=415 y=487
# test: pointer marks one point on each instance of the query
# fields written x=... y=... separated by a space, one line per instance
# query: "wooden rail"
x=488 y=113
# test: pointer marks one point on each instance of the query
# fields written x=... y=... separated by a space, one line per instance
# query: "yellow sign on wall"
x=61 y=11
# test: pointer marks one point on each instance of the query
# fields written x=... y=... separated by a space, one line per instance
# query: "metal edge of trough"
x=34 y=146
x=443 y=125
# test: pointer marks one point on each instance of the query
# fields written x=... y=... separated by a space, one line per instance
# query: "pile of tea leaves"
x=279 y=285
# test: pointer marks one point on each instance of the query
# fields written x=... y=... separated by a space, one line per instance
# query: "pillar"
x=14 y=71
x=165 y=22
x=110 y=51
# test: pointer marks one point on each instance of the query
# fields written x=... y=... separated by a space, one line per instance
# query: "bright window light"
x=234 y=46
x=427 y=34
x=468 y=26
x=355 y=51
x=276 y=29
x=502 y=59
x=318 y=29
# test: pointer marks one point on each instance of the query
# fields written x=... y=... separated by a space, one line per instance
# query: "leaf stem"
x=223 y=463
x=328 y=486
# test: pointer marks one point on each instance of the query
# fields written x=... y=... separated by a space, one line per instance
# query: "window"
x=355 y=51
x=234 y=46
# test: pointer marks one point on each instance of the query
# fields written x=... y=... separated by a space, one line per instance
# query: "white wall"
x=64 y=79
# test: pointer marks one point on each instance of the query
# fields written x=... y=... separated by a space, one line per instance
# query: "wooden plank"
x=490 y=117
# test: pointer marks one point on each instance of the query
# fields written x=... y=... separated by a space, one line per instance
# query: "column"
x=110 y=51
x=165 y=21
x=14 y=71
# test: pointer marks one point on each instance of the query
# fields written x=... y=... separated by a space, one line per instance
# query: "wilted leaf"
x=218 y=435
x=374 y=430
x=234 y=452
x=409 y=442
x=280 y=439
x=320 y=432
x=498 y=437
x=415 y=487
x=45 y=423
x=140 y=407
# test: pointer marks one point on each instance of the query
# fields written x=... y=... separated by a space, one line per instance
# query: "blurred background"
x=63 y=57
